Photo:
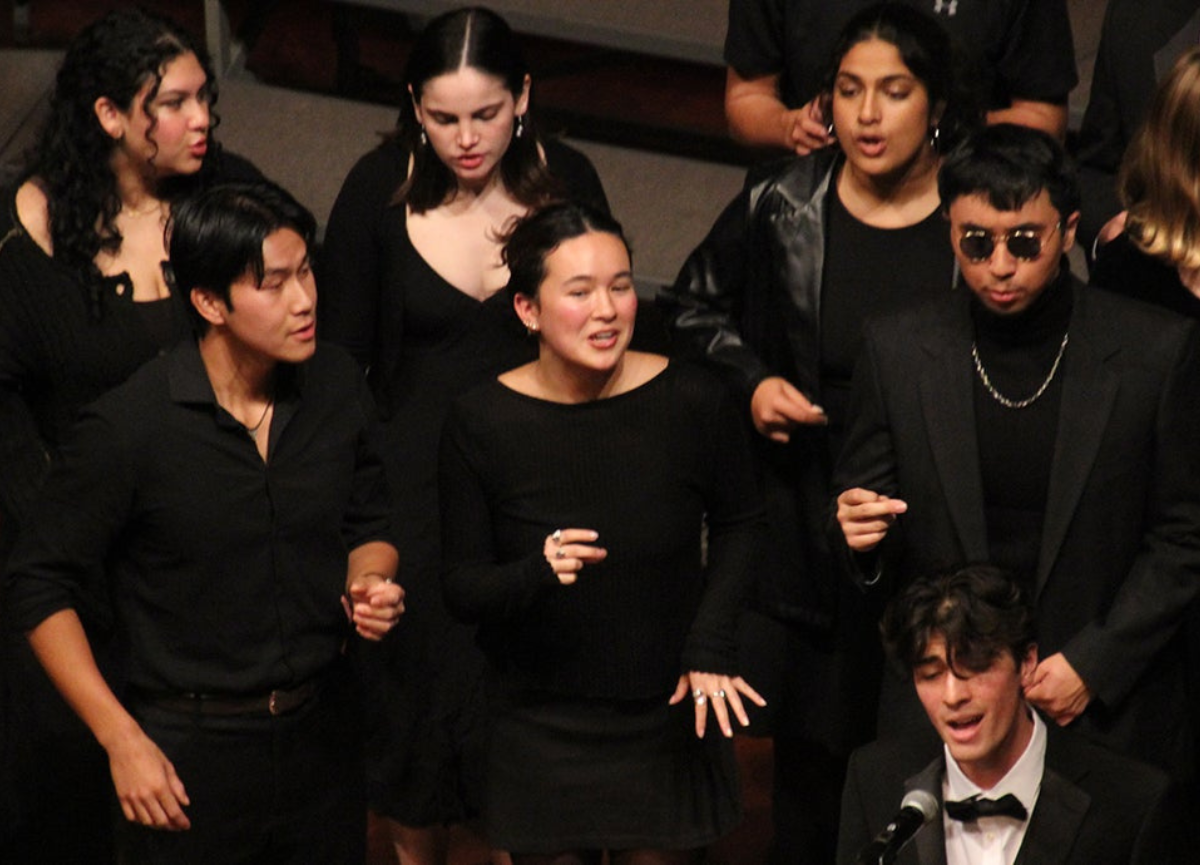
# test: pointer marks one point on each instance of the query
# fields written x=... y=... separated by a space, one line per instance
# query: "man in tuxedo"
x=1010 y=788
x=1045 y=427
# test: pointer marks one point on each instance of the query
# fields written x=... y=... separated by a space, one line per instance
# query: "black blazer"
x=1095 y=807
x=1120 y=550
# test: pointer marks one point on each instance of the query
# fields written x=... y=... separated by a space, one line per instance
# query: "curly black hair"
x=113 y=57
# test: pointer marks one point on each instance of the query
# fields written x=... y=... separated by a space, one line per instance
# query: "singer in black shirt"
x=1004 y=778
x=231 y=490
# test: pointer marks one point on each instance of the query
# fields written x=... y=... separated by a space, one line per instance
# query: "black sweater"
x=644 y=469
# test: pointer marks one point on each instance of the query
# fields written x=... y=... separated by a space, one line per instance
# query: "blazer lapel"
x=1055 y=821
x=1088 y=394
x=948 y=409
x=930 y=842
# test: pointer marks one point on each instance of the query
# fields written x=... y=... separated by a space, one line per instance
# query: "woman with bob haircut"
x=410 y=280
x=85 y=300
x=575 y=489
x=775 y=298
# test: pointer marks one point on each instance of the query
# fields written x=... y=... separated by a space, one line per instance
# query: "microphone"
x=917 y=808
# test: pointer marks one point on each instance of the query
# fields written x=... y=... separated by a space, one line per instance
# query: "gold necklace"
x=1017 y=403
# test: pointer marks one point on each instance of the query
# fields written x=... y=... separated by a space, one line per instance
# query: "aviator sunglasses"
x=1023 y=243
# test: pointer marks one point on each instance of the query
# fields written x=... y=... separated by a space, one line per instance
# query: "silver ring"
x=556 y=536
x=719 y=694
x=698 y=693
x=558 y=554
x=701 y=700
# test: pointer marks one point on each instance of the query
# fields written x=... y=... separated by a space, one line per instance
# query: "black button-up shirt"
x=226 y=572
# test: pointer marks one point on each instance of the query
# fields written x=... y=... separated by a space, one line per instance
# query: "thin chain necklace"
x=252 y=431
x=1015 y=403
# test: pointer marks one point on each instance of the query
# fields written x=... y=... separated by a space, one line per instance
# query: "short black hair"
x=980 y=610
x=1010 y=165
x=216 y=236
x=532 y=240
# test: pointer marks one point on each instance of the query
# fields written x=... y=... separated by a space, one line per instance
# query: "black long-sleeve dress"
x=585 y=751
x=423 y=342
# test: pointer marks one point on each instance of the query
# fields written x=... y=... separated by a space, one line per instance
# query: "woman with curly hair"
x=85 y=299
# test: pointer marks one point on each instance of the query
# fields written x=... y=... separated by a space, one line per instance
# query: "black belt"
x=279 y=702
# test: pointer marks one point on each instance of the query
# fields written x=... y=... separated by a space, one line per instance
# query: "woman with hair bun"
x=85 y=299
x=410 y=277
x=575 y=493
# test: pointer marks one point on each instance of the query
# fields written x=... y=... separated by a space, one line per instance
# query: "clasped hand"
x=374 y=604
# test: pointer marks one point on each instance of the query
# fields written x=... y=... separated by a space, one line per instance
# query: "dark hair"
x=475 y=38
x=216 y=236
x=1010 y=165
x=929 y=53
x=113 y=57
x=533 y=238
x=980 y=610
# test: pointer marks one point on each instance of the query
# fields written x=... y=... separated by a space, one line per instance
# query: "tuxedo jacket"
x=1120 y=550
x=1094 y=808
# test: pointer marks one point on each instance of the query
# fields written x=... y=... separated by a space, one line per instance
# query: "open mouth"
x=871 y=145
x=604 y=338
x=964 y=728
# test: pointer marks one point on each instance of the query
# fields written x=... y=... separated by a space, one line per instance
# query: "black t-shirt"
x=871 y=271
x=1023 y=48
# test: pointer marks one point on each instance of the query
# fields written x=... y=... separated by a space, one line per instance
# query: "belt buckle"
x=273 y=704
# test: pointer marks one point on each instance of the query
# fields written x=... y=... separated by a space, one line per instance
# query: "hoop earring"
x=934 y=136
x=520 y=126
x=424 y=137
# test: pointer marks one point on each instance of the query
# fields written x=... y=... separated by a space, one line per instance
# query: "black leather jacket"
x=749 y=296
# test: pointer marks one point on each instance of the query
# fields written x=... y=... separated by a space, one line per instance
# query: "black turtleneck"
x=1016 y=445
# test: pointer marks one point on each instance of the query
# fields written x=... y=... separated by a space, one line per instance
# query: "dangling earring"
x=424 y=137
x=831 y=132
x=520 y=126
x=933 y=138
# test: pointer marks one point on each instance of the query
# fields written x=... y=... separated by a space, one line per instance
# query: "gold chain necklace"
x=1015 y=403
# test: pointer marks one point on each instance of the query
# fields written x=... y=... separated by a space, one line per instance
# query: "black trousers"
x=263 y=789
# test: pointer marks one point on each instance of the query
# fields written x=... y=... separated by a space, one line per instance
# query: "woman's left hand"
x=723 y=693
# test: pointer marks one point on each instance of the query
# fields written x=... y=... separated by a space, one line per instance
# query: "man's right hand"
x=866 y=516
x=149 y=790
x=777 y=408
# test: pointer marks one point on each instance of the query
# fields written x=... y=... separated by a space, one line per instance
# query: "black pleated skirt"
x=571 y=774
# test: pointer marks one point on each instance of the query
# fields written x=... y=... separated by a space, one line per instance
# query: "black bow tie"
x=970 y=810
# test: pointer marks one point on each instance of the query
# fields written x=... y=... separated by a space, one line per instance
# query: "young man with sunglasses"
x=1049 y=428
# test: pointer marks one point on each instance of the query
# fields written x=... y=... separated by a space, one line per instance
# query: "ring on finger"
x=556 y=536
x=719 y=694
x=558 y=554
x=701 y=699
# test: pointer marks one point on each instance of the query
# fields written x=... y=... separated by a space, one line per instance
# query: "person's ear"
x=110 y=117
x=1029 y=666
x=523 y=99
x=416 y=103
x=210 y=305
x=528 y=311
x=1070 y=224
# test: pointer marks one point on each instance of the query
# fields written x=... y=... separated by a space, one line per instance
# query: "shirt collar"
x=188 y=383
x=1023 y=780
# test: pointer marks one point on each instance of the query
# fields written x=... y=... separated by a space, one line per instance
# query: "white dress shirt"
x=994 y=840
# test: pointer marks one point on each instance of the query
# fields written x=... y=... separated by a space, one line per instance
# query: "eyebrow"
x=491 y=106
x=887 y=79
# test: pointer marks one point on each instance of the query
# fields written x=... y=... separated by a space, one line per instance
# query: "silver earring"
x=520 y=125
x=830 y=132
x=933 y=138
x=424 y=137
x=531 y=328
